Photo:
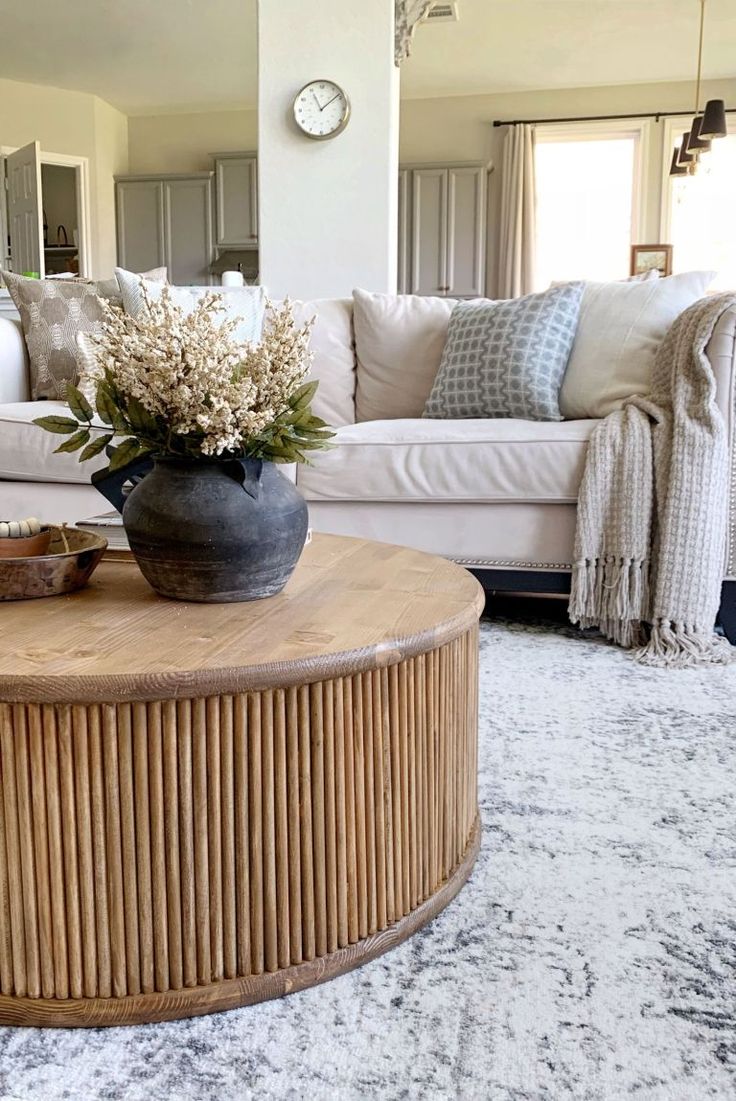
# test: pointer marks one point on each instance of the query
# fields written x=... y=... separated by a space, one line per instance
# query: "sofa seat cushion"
x=26 y=451
x=451 y=460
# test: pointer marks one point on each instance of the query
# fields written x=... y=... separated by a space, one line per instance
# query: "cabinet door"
x=188 y=230
x=140 y=224
x=236 y=181
x=403 y=275
x=466 y=231
x=25 y=218
x=429 y=231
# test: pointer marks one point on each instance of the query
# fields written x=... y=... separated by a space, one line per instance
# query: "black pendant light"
x=677 y=169
x=714 y=120
x=707 y=125
x=684 y=156
x=696 y=143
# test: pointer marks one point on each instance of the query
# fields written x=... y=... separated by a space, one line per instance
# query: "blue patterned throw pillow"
x=507 y=359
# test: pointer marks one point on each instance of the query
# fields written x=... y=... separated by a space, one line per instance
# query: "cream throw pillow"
x=109 y=289
x=399 y=340
x=620 y=328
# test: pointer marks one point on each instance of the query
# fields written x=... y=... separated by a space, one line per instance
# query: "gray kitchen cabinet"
x=140 y=223
x=429 y=232
x=167 y=220
x=188 y=242
x=236 y=200
x=442 y=230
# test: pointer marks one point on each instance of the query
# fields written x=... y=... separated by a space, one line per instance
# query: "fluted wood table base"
x=167 y=857
x=231 y=993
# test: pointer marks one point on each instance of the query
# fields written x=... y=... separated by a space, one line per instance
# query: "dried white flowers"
x=174 y=383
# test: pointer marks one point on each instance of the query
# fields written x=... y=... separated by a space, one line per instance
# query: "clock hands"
x=322 y=106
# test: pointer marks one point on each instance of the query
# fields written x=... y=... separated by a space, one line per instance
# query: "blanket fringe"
x=679 y=645
x=611 y=593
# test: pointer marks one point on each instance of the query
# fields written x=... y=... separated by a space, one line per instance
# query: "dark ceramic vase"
x=215 y=530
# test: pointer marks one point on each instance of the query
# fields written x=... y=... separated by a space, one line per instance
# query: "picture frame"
x=646 y=258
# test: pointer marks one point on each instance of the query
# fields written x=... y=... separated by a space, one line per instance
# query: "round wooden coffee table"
x=203 y=806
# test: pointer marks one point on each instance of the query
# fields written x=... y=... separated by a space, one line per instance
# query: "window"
x=700 y=212
x=588 y=188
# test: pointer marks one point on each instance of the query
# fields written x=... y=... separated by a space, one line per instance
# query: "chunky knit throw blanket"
x=652 y=508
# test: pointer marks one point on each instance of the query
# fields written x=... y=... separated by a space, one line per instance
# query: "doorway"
x=60 y=219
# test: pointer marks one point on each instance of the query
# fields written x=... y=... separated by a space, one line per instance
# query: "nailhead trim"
x=507 y=563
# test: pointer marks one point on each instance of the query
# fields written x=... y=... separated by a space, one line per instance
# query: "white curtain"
x=517 y=235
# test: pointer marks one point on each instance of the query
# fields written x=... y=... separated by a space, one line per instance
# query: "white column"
x=327 y=209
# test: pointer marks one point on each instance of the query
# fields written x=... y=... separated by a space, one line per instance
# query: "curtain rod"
x=656 y=115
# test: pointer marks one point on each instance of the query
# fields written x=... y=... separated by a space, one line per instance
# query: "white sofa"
x=498 y=496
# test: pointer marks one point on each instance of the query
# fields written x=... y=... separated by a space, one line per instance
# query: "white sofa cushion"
x=620 y=328
x=15 y=384
x=244 y=305
x=399 y=341
x=26 y=451
x=334 y=357
x=460 y=460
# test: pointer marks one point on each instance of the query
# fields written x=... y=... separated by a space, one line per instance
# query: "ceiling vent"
x=442 y=12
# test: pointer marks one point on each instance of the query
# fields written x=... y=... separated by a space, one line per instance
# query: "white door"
x=25 y=209
x=466 y=232
x=429 y=232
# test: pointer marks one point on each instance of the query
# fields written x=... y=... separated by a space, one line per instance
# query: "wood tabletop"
x=351 y=605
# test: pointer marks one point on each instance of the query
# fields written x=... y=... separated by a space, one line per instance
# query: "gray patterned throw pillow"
x=507 y=359
x=52 y=312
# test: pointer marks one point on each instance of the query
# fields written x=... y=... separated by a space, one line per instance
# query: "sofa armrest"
x=14 y=376
x=721 y=352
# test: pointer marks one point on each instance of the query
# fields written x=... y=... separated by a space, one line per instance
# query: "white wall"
x=185 y=142
x=111 y=159
x=79 y=125
x=328 y=209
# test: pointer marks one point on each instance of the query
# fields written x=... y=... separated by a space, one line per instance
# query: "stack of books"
x=110 y=526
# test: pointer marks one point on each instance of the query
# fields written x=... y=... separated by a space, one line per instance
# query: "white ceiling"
x=172 y=55
x=139 y=55
x=514 y=45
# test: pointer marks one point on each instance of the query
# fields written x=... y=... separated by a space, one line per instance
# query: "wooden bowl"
x=73 y=555
x=26 y=546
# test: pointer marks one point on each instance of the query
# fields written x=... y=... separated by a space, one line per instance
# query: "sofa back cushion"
x=334 y=357
x=620 y=328
x=399 y=340
x=15 y=383
x=245 y=305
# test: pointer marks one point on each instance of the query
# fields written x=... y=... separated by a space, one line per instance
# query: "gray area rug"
x=591 y=956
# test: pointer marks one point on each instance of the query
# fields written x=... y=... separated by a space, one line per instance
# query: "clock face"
x=321 y=109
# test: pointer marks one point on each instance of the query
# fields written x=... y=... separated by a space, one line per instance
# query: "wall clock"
x=321 y=109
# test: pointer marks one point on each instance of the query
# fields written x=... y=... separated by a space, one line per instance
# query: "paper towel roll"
x=232 y=279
